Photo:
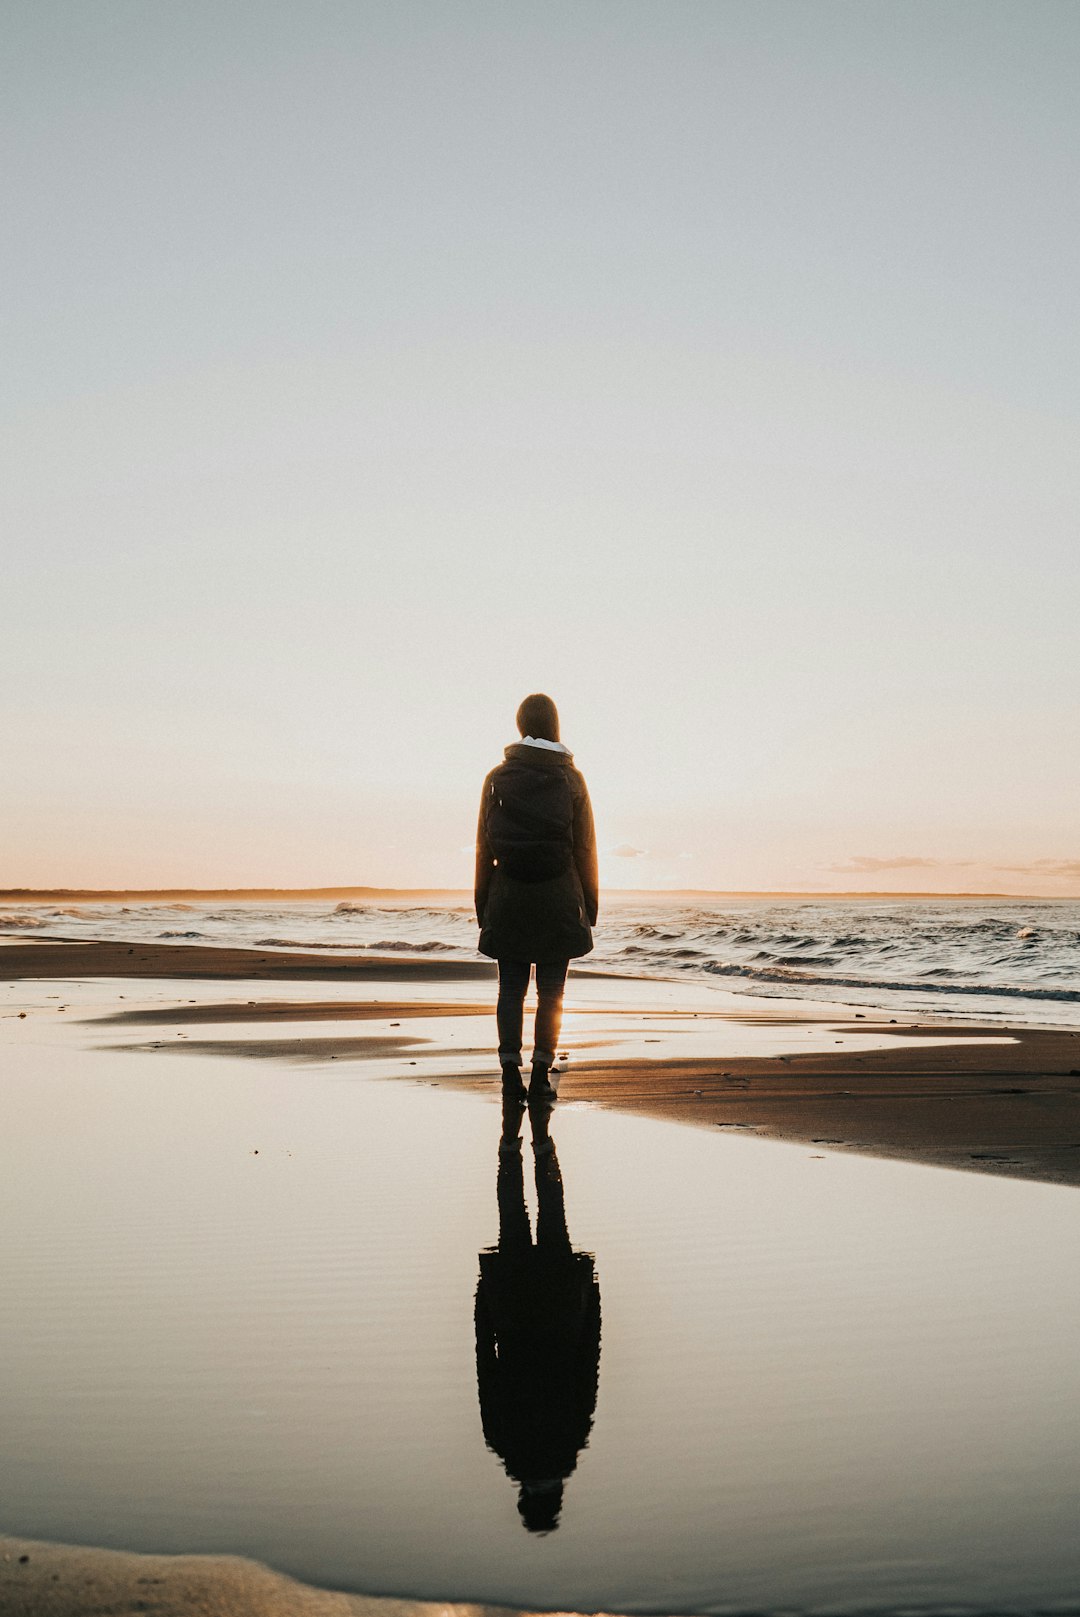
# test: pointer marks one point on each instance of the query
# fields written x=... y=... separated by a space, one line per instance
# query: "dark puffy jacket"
x=537 y=887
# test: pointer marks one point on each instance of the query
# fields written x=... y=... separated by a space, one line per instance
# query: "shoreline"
x=965 y=1095
x=112 y=895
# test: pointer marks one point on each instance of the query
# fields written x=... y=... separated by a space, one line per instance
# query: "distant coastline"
x=105 y=895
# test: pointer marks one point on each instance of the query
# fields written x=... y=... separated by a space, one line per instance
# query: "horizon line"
x=108 y=894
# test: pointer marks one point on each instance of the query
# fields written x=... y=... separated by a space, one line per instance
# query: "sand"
x=63 y=1580
x=294 y=1010
x=76 y=958
x=1006 y=1108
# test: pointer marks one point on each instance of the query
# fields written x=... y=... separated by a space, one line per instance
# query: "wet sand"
x=295 y=1010
x=62 y=1580
x=67 y=958
x=1005 y=1108
x=981 y=1098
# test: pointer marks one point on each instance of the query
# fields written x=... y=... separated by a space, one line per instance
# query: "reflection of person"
x=537 y=1331
x=536 y=884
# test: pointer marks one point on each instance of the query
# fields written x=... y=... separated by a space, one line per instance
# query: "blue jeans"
x=513 y=982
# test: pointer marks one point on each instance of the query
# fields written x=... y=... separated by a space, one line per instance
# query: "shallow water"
x=238 y=1315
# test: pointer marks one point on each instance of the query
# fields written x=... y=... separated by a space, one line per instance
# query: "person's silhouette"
x=537 y=1330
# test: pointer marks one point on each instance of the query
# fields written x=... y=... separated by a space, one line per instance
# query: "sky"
x=711 y=366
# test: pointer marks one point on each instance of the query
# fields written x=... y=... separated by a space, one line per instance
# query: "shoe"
x=540 y=1085
x=512 y=1086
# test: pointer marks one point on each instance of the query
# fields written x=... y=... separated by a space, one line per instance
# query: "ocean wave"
x=934 y=952
x=810 y=980
x=801 y=960
x=402 y=945
x=420 y=912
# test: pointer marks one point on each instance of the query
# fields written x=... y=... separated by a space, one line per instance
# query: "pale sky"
x=714 y=367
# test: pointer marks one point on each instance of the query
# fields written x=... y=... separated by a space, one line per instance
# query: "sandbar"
x=67 y=958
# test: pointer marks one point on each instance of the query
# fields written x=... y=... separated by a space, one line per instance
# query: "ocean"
x=999 y=959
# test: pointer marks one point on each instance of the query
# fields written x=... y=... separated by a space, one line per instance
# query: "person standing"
x=537 y=886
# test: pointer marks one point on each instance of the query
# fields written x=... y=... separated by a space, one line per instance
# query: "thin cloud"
x=626 y=850
x=867 y=865
x=1044 y=867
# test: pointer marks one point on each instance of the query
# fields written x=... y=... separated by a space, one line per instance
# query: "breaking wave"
x=816 y=981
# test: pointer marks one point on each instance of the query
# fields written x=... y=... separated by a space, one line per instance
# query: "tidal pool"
x=239 y=1313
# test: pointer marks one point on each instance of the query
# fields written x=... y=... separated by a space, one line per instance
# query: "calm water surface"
x=238 y=1313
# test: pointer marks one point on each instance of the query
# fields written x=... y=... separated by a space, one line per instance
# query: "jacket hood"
x=537 y=757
